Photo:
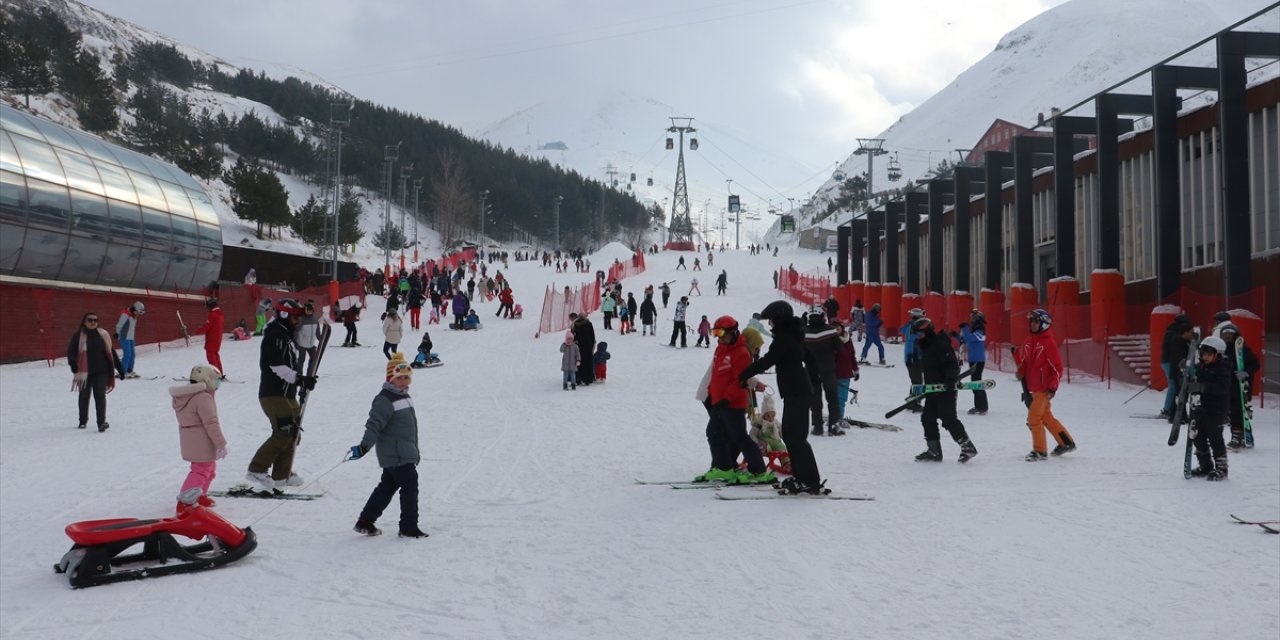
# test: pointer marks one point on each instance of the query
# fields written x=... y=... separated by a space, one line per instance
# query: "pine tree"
x=26 y=67
x=309 y=222
x=257 y=195
x=349 y=223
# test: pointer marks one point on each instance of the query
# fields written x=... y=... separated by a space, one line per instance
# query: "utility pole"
x=871 y=147
x=337 y=122
x=389 y=156
x=681 y=225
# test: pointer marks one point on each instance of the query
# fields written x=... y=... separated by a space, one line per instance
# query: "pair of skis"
x=755 y=491
x=918 y=392
x=1270 y=526
x=1186 y=396
x=1245 y=411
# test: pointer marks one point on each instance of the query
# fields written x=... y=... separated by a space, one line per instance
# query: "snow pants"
x=979 y=397
x=727 y=437
x=212 y=356
x=873 y=338
x=824 y=386
x=842 y=395
x=404 y=478
x=415 y=317
x=1171 y=391
x=941 y=407
x=277 y=452
x=1209 y=436
x=795 y=433
x=679 y=330
x=351 y=333
x=1039 y=418
x=127 y=360
x=201 y=474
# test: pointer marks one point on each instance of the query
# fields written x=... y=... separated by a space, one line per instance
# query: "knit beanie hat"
x=396 y=358
x=767 y=405
x=753 y=338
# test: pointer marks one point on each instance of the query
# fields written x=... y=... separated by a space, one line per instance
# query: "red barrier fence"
x=38 y=321
x=1103 y=339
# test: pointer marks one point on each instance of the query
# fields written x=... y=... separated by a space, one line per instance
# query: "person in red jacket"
x=212 y=330
x=506 y=298
x=1040 y=367
x=726 y=401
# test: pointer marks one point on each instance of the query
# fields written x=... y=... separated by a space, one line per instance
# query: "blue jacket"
x=975 y=343
x=908 y=344
x=874 y=322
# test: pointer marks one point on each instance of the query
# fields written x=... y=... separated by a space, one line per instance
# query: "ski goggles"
x=720 y=331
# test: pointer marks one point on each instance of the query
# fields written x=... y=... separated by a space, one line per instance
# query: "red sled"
x=96 y=557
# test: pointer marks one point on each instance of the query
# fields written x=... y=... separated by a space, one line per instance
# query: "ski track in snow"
x=537 y=530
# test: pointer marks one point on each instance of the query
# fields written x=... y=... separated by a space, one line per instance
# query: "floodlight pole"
x=337 y=123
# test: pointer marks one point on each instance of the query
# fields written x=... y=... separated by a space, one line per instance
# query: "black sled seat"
x=96 y=557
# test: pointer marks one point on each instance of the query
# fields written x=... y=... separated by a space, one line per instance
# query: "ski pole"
x=304 y=487
x=1136 y=394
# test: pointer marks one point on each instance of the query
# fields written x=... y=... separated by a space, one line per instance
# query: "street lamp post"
x=389 y=156
x=417 y=191
x=484 y=195
x=337 y=123
x=558 y=200
x=405 y=171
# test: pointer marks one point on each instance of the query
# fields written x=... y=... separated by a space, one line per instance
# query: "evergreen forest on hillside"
x=145 y=104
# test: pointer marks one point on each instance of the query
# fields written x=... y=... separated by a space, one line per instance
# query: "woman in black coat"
x=584 y=333
x=786 y=353
x=93 y=363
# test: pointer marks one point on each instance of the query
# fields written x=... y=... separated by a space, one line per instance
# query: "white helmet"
x=139 y=308
x=206 y=374
x=916 y=313
x=1218 y=345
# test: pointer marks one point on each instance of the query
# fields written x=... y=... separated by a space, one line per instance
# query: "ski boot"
x=1036 y=456
x=717 y=475
x=967 y=450
x=834 y=429
x=932 y=454
x=882 y=362
x=1219 y=470
x=976 y=412
x=294 y=480
x=364 y=527
x=791 y=486
x=1068 y=445
x=1236 y=443
x=1204 y=466
x=260 y=482
x=82 y=425
x=764 y=477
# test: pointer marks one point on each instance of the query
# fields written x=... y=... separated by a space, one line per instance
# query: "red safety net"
x=558 y=303
x=808 y=289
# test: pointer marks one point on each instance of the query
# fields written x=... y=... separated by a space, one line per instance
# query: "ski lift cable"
x=744 y=168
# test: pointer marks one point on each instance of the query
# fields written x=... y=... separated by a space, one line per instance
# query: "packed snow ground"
x=537 y=530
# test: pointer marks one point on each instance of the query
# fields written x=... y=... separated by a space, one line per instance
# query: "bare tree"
x=451 y=196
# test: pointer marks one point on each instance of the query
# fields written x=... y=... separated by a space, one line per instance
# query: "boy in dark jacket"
x=1213 y=385
x=820 y=346
x=601 y=361
x=938 y=365
x=392 y=428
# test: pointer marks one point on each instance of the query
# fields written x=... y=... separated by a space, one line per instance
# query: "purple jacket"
x=461 y=304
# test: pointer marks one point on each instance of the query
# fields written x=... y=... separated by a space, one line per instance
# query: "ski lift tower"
x=871 y=147
x=681 y=230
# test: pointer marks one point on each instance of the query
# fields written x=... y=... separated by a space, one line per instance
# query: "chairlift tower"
x=871 y=147
x=681 y=230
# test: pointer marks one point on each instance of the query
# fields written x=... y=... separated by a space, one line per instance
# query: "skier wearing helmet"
x=277 y=394
x=726 y=400
x=1213 y=376
x=1040 y=366
x=820 y=346
x=938 y=365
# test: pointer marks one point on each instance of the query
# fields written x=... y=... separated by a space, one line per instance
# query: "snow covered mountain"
x=1057 y=59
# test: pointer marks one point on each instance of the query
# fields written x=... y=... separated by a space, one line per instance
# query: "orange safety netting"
x=558 y=303
x=805 y=288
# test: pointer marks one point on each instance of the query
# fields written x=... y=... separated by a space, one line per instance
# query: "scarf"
x=82 y=360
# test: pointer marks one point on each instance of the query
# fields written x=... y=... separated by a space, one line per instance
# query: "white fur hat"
x=767 y=405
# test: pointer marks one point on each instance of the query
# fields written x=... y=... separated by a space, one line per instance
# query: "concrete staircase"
x=1135 y=352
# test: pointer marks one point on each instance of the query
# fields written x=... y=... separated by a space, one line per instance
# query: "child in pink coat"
x=198 y=430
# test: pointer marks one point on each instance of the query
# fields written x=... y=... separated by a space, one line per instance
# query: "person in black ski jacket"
x=938 y=365
x=1214 y=381
x=786 y=353
x=648 y=313
x=1240 y=380
x=820 y=346
x=584 y=333
x=1173 y=354
x=277 y=394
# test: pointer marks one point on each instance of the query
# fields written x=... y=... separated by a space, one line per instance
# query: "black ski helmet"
x=777 y=310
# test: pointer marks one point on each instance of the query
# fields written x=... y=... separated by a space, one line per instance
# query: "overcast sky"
x=802 y=77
